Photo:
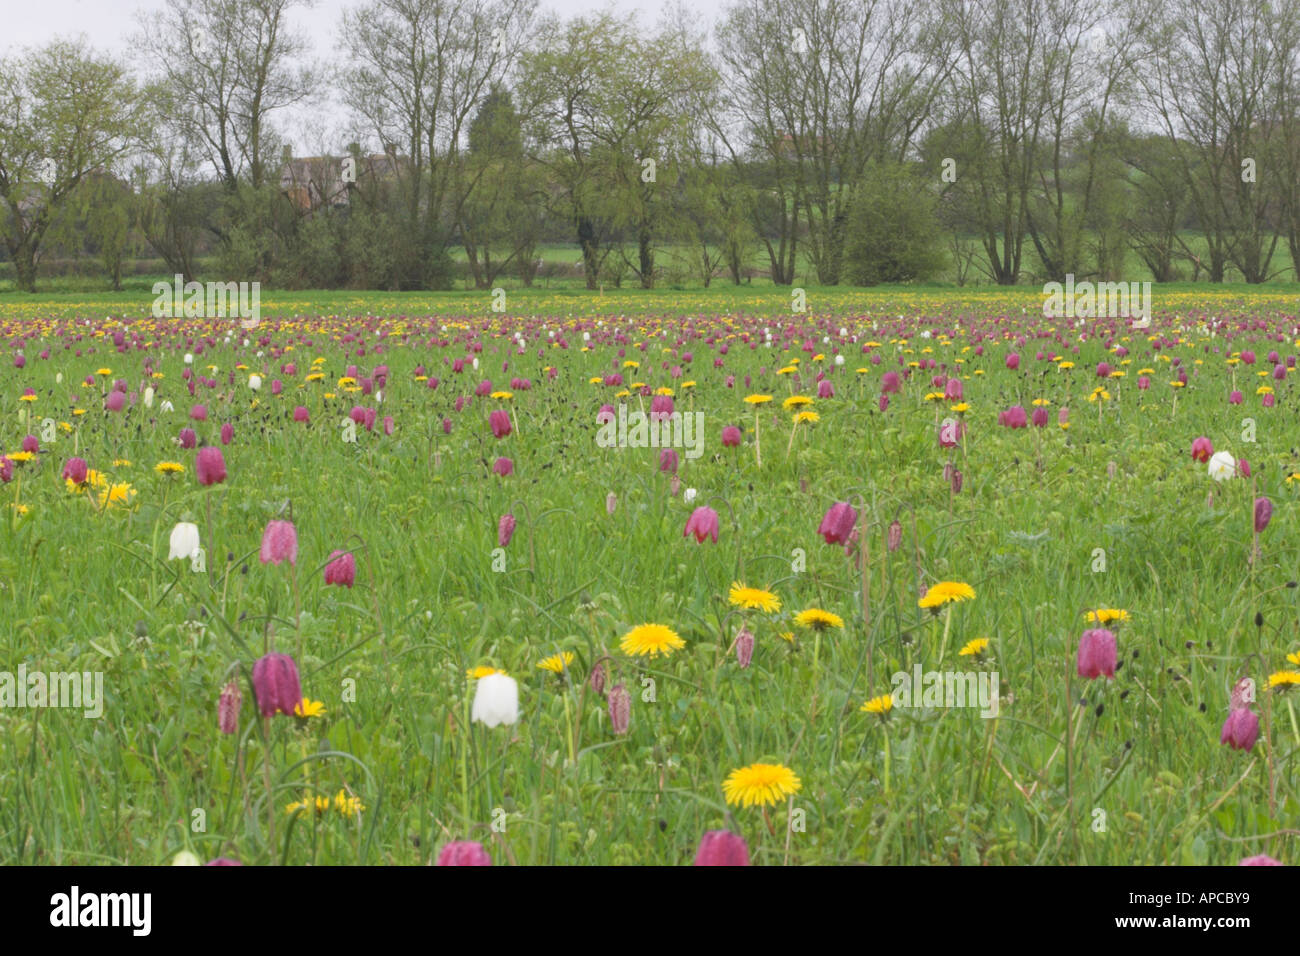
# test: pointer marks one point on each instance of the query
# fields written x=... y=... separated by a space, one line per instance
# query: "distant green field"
x=765 y=300
x=672 y=260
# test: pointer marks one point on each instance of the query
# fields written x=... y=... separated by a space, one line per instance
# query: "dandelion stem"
x=568 y=728
x=464 y=762
x=886 y=761
x=947 y=623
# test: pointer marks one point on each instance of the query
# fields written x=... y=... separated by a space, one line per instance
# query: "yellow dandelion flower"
x=20 y=457
x=309 y=708
x=169 y=468
x=651 y=640
x=815 y=619
x=946 y=592
x=474 y=673
x=1283 y=680
x=503 y=396
x=796 y=401
x=753 y=598
x=787 y=636
x=1106 y=615
x=556 y=663
x=1042 y=401
x=811 y=418
x=975 y=648
x=26 y=398
x=960 y=408
x=1294 y=658
x=757 y=399
x=761 y=784
x=881 y=705
x=120 y=493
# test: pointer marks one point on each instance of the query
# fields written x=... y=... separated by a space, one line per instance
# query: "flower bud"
x=722 y=848
x=620 y=708
x=464 y=853
x=228 y=708
x=744 y=647
x=895 y=535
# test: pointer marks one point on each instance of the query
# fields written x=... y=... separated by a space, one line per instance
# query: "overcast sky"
x=109 y=24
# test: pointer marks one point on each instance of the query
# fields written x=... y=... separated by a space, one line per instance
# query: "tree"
x=502 y=186
x=64 y=111
x=1209 y=70
x=229 y=66
x=893 y=233
x=418 y=70
x=604 y=97
x=1158 y=206
x=104 y=205
x=821 y=88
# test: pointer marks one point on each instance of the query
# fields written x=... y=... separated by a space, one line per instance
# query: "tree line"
x=853 y=141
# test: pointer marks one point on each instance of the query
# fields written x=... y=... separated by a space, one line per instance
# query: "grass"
x=1071 y=771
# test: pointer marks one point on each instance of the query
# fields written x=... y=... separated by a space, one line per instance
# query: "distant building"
x=318 y=182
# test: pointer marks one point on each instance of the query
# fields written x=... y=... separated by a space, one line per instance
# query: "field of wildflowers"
x=936 y=580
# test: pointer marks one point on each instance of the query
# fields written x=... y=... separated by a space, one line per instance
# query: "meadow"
x=896 y=481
